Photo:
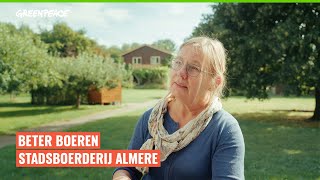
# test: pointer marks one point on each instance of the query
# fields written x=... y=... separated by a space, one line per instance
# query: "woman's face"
x=185 y=87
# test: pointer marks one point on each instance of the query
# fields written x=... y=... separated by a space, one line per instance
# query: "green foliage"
x=76 y=76
x=151 y=75
x=166 y=61
x=165 y=44
x=128 y=47
x=115 y=53
x=64 y=41
x=26 y=66
x=299 y=36
x=87 y=70
x=268 y=44
x=99 y=50
x=21 y=57
x=127 y=78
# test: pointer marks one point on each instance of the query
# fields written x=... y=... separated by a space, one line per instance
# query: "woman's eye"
x=194 y=68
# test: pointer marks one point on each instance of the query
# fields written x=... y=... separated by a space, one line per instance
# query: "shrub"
x=74 y=78
x=150 y=76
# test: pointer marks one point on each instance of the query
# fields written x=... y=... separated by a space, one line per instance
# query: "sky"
x=115 y=23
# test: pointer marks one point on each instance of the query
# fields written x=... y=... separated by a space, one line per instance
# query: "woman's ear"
x=215 y=83
x=217 y=80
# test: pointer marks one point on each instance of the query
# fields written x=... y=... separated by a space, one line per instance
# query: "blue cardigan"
x=217 y=153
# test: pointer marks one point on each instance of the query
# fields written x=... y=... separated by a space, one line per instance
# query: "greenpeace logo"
x=45 y=13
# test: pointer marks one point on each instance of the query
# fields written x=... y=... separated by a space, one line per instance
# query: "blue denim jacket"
x=217 y=153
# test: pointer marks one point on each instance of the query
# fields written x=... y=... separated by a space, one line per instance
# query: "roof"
x=145 y=45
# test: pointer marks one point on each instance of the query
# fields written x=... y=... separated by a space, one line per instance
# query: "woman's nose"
x=183 y=72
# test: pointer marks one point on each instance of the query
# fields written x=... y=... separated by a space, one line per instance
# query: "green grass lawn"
x=141 y=95
x=276 y=109
x=20 y=114
x=279 y=143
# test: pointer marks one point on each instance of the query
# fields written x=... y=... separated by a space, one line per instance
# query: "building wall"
x=145 y=53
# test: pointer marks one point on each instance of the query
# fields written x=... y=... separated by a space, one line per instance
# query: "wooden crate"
x=105 y=95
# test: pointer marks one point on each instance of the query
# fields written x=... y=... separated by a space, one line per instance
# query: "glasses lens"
x=176 y=64
x=193 y=70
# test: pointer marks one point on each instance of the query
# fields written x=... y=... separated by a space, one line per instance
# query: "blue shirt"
x=217 y=153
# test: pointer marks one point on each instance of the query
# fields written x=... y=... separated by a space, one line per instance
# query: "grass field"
x=20 y=114
x=279 y=143
x=291 y=110
x=141 y=95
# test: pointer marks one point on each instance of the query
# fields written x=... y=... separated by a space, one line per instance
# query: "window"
x=136 y=60
x=155 y=60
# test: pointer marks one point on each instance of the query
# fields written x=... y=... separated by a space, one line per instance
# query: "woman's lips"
x=180 y=85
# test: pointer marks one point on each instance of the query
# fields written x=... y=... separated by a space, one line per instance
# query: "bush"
x=127 y=78
x=151 y=76
x=21 y=58
x=74 y=77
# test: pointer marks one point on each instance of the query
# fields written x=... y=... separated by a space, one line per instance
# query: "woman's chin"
x=178 y=93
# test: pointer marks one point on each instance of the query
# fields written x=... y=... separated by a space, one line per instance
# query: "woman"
x=197 y=138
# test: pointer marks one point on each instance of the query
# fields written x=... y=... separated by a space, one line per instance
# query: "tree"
x=21 y=56
x=99 y=50
x=64 y=41
x=128 y=47
x=68 y=80
x=268 y=44
x=299 y=35
x=165 y=44
x=115 y=53
x=89 y=70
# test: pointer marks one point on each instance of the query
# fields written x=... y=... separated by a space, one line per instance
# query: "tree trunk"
x=78 y=100
x=316 y=114
x=12 y=97
x=32 y=97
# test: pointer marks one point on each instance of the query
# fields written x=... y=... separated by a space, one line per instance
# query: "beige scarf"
x=168 y=143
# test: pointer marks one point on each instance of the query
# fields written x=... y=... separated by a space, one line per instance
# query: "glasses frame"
x=188 y=67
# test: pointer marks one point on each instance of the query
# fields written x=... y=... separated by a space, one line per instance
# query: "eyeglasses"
x=192 y=70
